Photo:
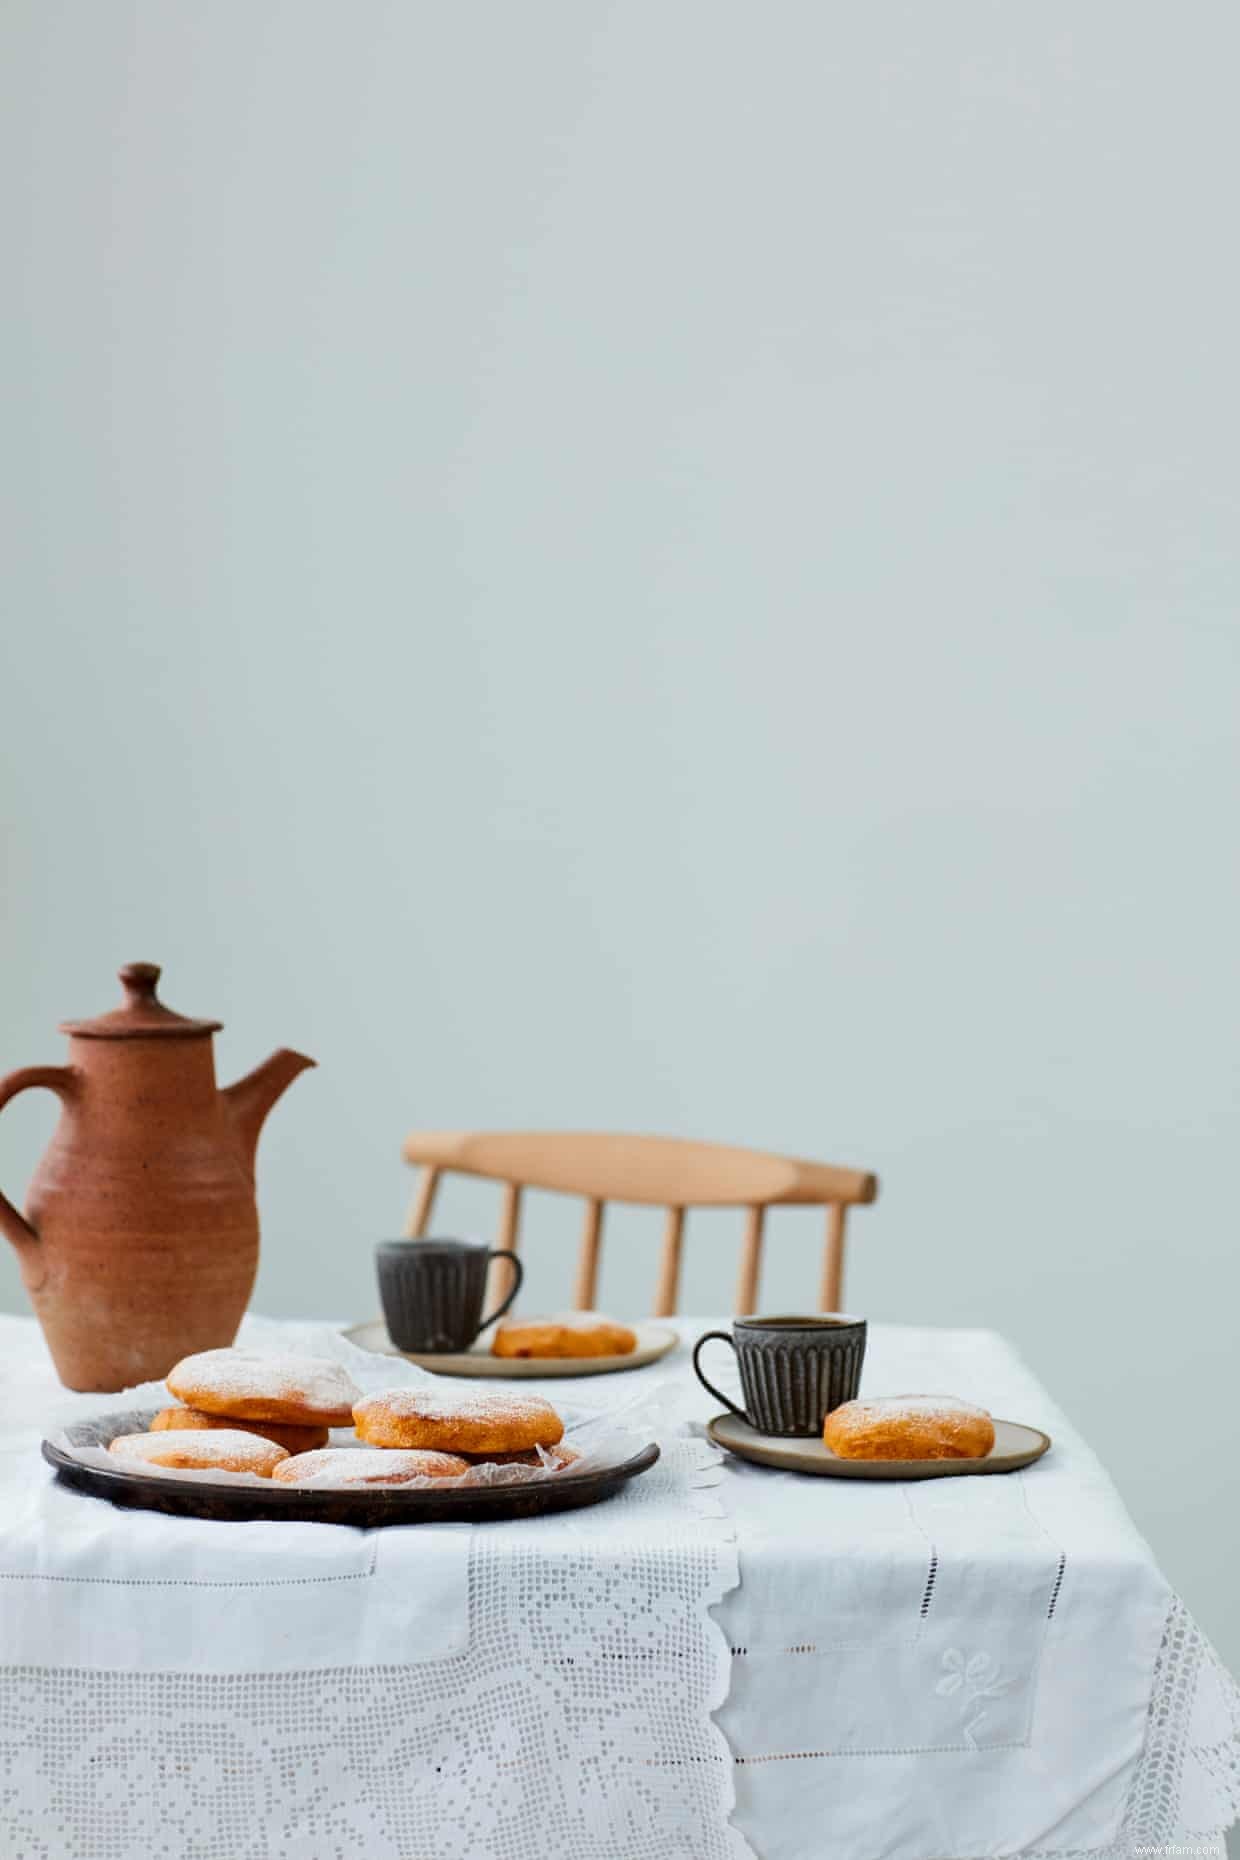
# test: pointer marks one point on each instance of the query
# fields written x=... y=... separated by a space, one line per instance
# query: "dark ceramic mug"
x=794 y=1370
x=432 y=1292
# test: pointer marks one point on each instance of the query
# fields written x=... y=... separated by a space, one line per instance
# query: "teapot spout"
x=249 y=1099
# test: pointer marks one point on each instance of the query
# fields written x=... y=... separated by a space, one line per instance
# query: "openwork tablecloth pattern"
x=577 y=1722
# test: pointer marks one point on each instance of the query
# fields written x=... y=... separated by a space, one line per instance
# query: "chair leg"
x=669 y=1264
x=751 y=1264
x=833 y=1259
x=423 y=1201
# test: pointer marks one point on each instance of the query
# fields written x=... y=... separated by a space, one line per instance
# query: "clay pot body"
x=140 y=1242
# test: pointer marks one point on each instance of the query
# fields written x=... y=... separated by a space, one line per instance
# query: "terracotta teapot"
x=140 y=1241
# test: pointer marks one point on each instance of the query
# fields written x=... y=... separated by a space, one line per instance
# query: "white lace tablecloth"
x=939 y=1671
x=575 y=1719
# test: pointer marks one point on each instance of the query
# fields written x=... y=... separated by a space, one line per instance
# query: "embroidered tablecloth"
x=935 y=1671
x=965 y=1667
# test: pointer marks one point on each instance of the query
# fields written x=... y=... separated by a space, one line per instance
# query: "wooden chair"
x=653 y=1171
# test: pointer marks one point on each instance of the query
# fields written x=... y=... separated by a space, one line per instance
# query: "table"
x=965 y=1667
x=728 y=1662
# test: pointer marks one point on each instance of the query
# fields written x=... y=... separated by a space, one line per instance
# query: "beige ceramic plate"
x=1015 y=1446
x=653 y=1341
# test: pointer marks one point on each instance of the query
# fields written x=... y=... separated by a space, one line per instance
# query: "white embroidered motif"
x=975 y=1676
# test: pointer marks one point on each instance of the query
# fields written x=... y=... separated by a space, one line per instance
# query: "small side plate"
x=653 y=1341
x=1015 y=1446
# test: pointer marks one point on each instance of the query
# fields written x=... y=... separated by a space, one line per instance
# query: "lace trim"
x=1183 y=1791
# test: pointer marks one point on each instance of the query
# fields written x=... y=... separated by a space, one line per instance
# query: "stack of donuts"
x=272 y=1415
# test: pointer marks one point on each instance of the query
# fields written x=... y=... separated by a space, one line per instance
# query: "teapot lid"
x=143 y=1014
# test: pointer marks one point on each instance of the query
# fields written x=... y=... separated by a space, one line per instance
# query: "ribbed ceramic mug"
x=794 y=1370
x=432 y=1292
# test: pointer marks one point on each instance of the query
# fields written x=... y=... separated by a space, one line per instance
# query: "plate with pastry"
x=892 y=1437
x=570 y=1343
x=293 y=1437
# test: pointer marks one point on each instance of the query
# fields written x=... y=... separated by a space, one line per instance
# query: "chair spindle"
x=668 y=1287
x=586 y=1288
x=500 y=1277
x=833 y=1258
x=751 y=1263
x=423 y=1202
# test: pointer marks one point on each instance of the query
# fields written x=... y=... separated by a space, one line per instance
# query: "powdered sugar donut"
x=578 y=1333
x=285 y=1434
x=220 y=1450
x=367 y=1466
x=909 y=1427
x=465 y=1423
x=307 y=1390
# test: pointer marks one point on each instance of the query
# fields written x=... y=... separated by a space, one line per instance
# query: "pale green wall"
x=659 y=566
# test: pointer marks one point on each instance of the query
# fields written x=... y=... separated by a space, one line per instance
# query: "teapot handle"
x=61 y=1080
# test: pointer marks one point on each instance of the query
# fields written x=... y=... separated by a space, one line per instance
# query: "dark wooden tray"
x=364 y=1508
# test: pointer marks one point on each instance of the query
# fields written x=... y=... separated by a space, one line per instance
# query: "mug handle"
x=504 y=1253
x=718 y=1394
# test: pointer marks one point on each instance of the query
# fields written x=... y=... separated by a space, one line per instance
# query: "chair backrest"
x=654 y=1171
